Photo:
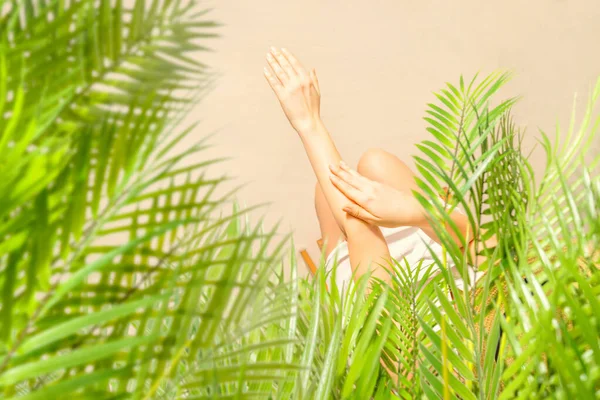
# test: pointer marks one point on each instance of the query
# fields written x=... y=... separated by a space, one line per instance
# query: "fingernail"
x=343 y=164
x=283 y=49
x=273 y=49
x=331 y=167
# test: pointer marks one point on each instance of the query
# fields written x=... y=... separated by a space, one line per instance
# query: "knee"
x=377 y=162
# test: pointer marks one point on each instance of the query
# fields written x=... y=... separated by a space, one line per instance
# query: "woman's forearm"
x=299 y=94
x=321 y=152
x=462 y=224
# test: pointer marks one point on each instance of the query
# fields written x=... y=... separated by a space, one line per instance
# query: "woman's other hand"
x=375 y=202
x=297 y=91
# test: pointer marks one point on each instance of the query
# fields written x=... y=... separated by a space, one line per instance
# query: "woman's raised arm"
x=299 y=94
x=300 y=97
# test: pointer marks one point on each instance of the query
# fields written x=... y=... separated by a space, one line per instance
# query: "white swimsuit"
x=404 y=243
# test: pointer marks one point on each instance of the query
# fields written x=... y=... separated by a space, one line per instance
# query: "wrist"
x=315 y=127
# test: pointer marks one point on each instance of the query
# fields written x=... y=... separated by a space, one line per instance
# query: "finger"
x=347 y=190
x=313 y=75
x=273 y=81
x=347 y=168
x=280 y=74
x=347 y=177
x=356 y=174
x=296 y=65
x=283 y=62
x=358 y=212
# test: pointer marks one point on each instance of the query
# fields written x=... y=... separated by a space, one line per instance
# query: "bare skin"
x=299 y=95
x=350 y=203
x=357 y=204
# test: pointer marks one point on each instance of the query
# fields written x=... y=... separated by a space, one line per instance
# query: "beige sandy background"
x=378 y=63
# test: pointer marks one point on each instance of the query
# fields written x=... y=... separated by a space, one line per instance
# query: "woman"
x=368 y=215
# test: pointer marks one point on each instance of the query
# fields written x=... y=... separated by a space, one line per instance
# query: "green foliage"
x=527 y=326
x=121 y=276
x=111 y=259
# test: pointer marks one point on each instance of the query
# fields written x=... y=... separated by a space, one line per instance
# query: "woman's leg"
x=384 y=167
x=363 y=238
x=366 y=244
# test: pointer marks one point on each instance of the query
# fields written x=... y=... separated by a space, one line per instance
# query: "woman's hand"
x=297 y=91
x=375 y=202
